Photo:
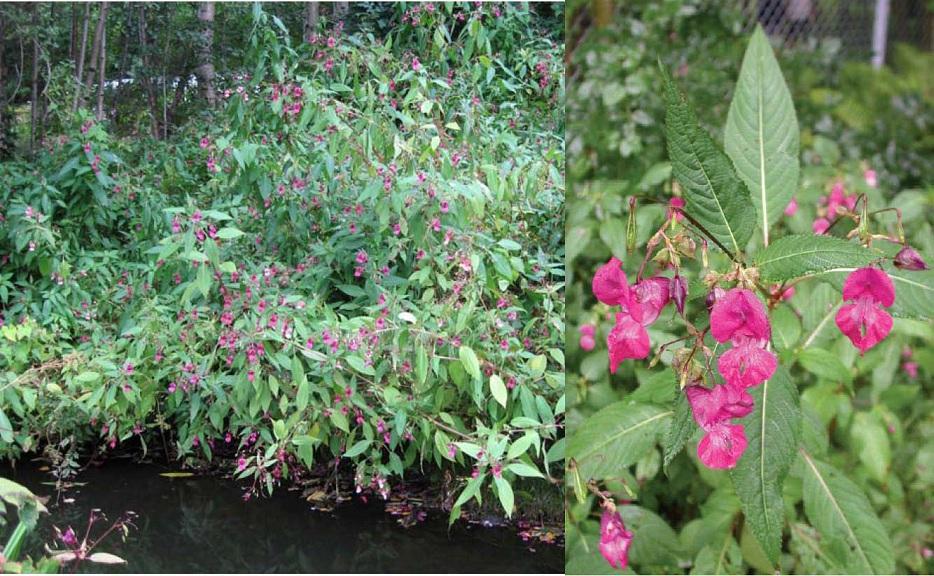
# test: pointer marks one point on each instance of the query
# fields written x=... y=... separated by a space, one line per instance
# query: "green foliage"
x=866 y=416
x=354 y=259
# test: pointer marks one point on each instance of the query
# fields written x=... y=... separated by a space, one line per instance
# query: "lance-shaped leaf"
x=851 y=533
x=681 y=429
x=772 y=429
x=616 y=437
x=714 y=195
x=761 y=135
x=802 y=254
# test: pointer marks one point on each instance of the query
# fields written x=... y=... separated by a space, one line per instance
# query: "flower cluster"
x=862 y=319
x=833 y=205
x=737 y=317
x=640 y=306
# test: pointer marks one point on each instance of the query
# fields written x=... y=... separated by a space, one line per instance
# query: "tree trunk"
x=34 y=95
x=94 y=60
x=205 y=70
x=102 y=67
x=80 y=70
x=147 y=80
x=311 y=19
x=3 y=130
x=73 y=36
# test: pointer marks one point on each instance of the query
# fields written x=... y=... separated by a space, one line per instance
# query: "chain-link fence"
x=851 y=22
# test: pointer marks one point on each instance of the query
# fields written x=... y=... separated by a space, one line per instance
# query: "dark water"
x=201 y=524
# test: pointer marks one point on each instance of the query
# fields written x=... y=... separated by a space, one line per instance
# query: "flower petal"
x=870 y=282
x=628 y=339
x=738 y=313
x=648 y=298
x=609 y=284
x=722 y=446
x=614 y=539
x=864 y=322
x=747 y=364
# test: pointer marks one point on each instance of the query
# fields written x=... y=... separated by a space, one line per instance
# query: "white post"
x=880 y=30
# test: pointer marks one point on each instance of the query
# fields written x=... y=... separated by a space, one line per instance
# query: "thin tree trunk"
x=94 y=61
x=80 y=69
x=147 y=80
x=205 y=70
x=73 y=36
x=3 y=132
x=311 y=19
x=102 y=68
x=34 y=96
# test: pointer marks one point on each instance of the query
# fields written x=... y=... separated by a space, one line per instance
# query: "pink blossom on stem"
x=614 y=540
x=587 y=332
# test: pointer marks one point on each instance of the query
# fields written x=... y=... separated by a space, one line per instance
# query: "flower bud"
x=679 y=292
x=713 y=296
x=909 y=259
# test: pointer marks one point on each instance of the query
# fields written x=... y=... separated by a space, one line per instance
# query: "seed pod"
x=631 y=227
x=909 y=259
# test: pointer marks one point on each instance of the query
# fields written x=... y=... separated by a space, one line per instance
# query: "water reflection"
x=201 y=525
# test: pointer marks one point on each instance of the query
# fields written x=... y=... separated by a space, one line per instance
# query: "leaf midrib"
x=836 y=507
x=595 y=448
x=779 y=257
x=761 y=136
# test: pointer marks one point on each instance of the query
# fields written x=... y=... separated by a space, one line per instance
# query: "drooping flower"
x=792 y=207
x=610 y=285
x=675 y=207
x=628 y=339
x=864 y=322
x=747 y=363
x=862 y=319
x=739 y=314
x=711 y=406
x=647 y=298
x=614 y=540
x=722 y=446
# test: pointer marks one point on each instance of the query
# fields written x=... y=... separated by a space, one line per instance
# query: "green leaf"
x=871 y=440
x=914 y=291
x=803 y=254
x=522 y=469
x=506 y=498
x=88 y=377
x=773 y=431
x=359 y=365
x=714 y=195
x=786 y=328
x=761 y=134
x=680 y=430
x=616 y=437
x=229 y=233
x=851 y=533
x=357 y=449
x=469 y=359
x=499 y=390
x=824 y=364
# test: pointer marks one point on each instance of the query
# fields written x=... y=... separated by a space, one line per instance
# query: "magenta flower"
x=911 y=368
x=614 y=540
x=747 y=364
x=863 y=319
x=416 y=65
x=675 y=207
x=792 y=207
x=722 y=446
x=739 y=314
x=609 y=284
x=627 y=339
x=647 y=298
x=870 y=176
x=820 y=225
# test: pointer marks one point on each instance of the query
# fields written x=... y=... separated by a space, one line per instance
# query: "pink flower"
x=711 y=406
x=647 y=298
x=747 y=364
x=870 y=282
x=820 y=225
x=614 y=540
x=909 y=259
x=205 y=142
x=862 y=320
x=609 y=284
x=911 y=368
x=627 y=339
x=739 y=314
x=870 y=176
x=587 y=337
x=241 y=464
x=675 y=206
x=722 y=446
x=128 y=369
x=792 y=207
x=416 y=65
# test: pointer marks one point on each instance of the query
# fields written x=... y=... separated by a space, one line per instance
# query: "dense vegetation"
x=344 y=253
x=821 y=463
